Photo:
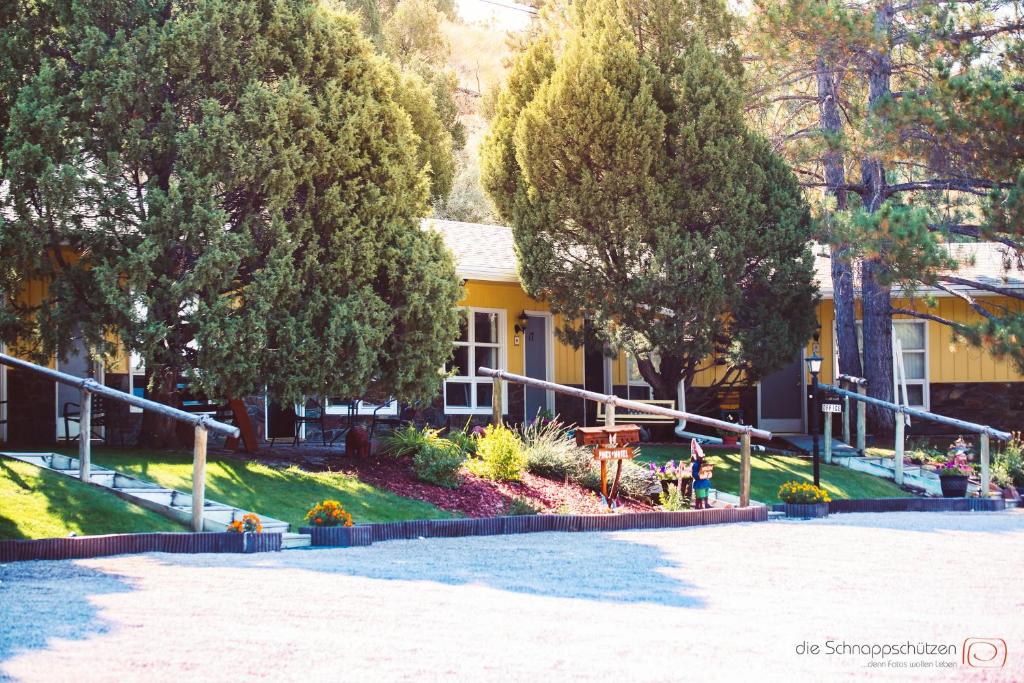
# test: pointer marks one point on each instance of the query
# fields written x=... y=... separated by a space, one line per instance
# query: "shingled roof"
x=487 y=252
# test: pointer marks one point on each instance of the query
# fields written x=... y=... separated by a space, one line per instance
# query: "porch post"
x=862 y=416
x=846 y=420
x=85 y=436
x=198 y=478
x=986 y=475
x=744 y=469
x=828 y=438
x=900 y=426
x=496 y=408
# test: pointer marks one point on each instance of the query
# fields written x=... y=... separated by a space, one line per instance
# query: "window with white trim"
x=638 y=389
x=481 y=341
x=913 y=338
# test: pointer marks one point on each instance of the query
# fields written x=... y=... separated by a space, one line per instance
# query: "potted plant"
x=804 y=500
x=953 y=475
x=248 y=524
x=329 y=524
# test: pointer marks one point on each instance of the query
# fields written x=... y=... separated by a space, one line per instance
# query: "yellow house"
x=509 y=329
x=505 y=328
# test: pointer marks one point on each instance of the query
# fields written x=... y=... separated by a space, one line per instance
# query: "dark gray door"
x=79 y=365
x=782 y=405
x=536 y=351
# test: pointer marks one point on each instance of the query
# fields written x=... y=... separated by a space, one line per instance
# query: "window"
x=913 y=338
x=481 y=341
x=638 y=387
x=136 y=379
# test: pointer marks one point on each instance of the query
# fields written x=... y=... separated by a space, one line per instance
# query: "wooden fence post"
x=901 y=424
x=846 y=420
x=744 y=469
x=85 y=436
x=986 y=475
x=198 y=478
x=862 y=423
x=496 y=407
x=828 y=438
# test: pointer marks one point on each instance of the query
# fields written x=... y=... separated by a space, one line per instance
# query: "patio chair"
x=72 y=412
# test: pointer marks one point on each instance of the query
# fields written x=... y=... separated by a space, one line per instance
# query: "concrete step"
x=295 y=540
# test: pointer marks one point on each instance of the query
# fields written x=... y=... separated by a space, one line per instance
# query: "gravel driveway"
x=731 y=602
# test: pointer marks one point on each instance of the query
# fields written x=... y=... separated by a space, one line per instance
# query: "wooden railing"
x=88 y=386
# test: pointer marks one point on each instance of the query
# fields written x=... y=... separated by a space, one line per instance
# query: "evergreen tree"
x=243 y=188
x=640 y=202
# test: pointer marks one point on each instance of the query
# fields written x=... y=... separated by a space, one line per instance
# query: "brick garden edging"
x=912 y=505
x=80 y=547
x=365 y=534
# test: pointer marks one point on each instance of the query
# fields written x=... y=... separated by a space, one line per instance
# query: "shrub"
x=637 y=482
x=439 y=463
x=521 y=506
x=673 y=500
x=328 y=513
x=551 y=453
x=1008 y=464
x=408 y=440
x=803 y=493
x=500 y=454
x=249 y=523
x=464 y=440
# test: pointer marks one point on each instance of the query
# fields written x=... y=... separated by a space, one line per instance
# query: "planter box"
x=806 y=510
x=338 y=536
x=953 y=487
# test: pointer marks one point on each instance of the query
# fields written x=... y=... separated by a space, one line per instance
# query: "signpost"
x=610 y=445
x=832 y=405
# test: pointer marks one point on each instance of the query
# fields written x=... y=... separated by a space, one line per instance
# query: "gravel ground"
x=715 y=603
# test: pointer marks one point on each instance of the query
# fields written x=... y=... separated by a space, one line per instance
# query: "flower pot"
x=953 y=486
x=807 y=510
x=337 y=536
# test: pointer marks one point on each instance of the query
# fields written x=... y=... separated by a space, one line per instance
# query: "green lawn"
x=36 y=503
x=282 y=494
x=768 y=472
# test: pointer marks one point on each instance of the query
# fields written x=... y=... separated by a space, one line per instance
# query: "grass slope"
x=282 y=494
x=769 y=472
x=35 y=503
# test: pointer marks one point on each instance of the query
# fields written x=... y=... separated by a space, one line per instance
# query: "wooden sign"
x=606 y=453
x=602 y=436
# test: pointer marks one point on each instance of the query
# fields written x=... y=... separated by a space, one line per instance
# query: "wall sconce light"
x=521 y=322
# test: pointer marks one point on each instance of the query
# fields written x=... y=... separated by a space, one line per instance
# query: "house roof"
x=482 y=251
x=487 y=252
x=979 y=261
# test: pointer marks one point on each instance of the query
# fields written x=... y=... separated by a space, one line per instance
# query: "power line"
x=518 y=8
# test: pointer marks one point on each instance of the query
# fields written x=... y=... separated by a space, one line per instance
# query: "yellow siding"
x=513 y=300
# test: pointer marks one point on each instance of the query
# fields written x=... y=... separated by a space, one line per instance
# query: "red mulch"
x=476 y=497
x=479 y=497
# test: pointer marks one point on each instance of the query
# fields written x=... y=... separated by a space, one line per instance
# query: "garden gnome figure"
x=701 y=476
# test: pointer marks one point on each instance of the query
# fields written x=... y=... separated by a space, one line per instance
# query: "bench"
x=636 y=417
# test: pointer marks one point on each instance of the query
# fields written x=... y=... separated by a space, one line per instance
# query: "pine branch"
x=971 y=301
x=927 y=316
x=975 y=232
x=984 y=286
x=970 y=185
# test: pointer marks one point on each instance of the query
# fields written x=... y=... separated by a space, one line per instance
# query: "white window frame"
x=924 y=383
x=630 y=382
x=472 y=379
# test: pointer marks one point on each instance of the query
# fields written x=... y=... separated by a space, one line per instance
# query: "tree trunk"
x=835 y=181
x=159 y=431
x=876 y=297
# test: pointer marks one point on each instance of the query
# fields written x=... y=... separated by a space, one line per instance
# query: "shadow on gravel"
x=45 y=601
x=1004 y=521
x=583 y=566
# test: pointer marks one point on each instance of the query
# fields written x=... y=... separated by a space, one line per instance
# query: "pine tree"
x=243 y=188
x=641 y=203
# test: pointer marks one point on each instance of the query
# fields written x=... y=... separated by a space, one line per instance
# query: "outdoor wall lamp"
x=521 y=322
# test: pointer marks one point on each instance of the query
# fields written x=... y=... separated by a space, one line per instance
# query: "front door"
x=536 y=363
x=78 y=364
x=781 y=401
